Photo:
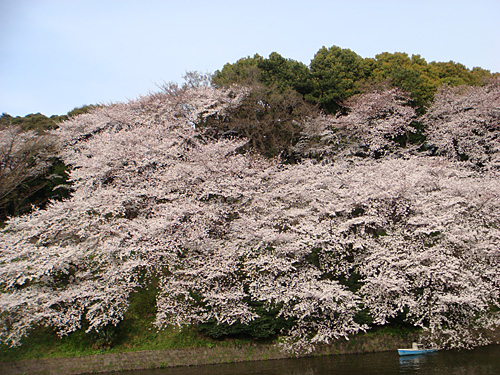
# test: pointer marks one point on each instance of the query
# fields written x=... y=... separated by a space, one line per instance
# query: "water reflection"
x=481 y=361
x=411 y=364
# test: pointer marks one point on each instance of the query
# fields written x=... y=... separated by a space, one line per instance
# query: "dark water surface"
x=480 y=361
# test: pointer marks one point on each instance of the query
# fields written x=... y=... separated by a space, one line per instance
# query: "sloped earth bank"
x=366 y=343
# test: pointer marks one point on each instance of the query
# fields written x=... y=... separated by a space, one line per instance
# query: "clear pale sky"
x=56 y=55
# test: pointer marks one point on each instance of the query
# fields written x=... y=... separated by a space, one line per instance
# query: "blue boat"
x=416 y=349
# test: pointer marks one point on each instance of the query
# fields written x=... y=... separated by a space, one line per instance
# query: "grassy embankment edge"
x=138 y=335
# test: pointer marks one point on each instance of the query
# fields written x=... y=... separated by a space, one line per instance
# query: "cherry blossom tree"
x=24 y=155
x=378 y=117
x=155 y=198
x=421 y=233
x=464 y=122
x=376 y=125
x=424 y=240
x=78 y=261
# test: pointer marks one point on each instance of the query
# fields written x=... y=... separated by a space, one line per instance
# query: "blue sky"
x=56 y=55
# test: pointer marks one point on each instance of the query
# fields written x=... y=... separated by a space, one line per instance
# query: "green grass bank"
x=191 y=351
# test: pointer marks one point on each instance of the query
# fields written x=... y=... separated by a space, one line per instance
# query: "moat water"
x=480 y=361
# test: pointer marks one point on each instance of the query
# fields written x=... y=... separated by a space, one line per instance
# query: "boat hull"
x=415 y=351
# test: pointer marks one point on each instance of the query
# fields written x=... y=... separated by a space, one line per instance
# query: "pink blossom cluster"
x=464 y=124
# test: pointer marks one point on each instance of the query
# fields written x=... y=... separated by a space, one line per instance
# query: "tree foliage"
x=245 y=72
x=269 y=119
x=335 y=74
x=39 y=122
x=36 y=122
